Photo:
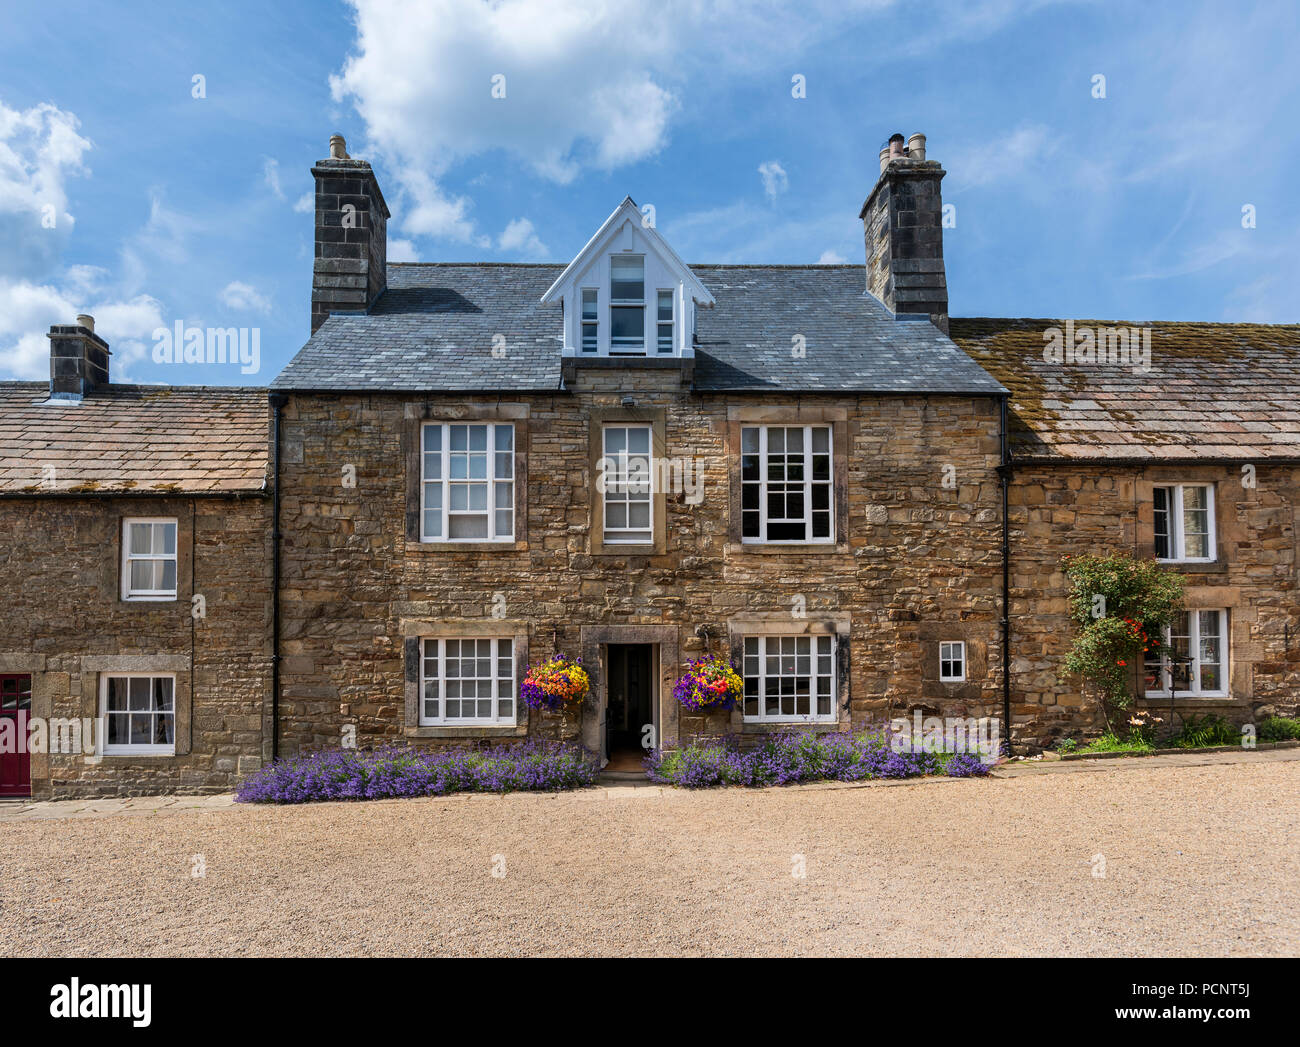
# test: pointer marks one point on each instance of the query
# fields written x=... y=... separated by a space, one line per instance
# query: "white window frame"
x=1194 y=647
x=628 y=303
x=153 y=749
x=444 y=481
x=763 y=481
x=584 y=322
x=670 y=323
x=617 y=475
x=500 y=647
x=783 y=641
x=1174 y=515
x=128 y=593
x=950 y=652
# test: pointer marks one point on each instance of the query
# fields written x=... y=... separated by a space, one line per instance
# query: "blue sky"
x=124 y=195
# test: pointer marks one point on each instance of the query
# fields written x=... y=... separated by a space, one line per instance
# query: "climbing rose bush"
x=555 y=683
x=395 y=770
x=709 y=683
x=1121 y=606
x=794 y=756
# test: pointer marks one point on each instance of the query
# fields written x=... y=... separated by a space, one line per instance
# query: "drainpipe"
x=1004 y=476
x=277 y=403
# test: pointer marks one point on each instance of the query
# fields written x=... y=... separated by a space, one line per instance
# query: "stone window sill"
x=1213 y=567
x=1158 y=700
x=469 y=731
x=787 y=549
x=768 y=727
x=466 y=547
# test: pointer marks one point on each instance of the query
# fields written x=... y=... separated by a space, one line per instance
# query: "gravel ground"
x=1199 y=860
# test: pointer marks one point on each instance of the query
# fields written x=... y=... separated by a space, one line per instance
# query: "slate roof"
x=136 y=438
x=1214 y=391
x=432 y=330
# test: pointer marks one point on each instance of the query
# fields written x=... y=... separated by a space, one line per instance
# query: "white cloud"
x=586 y=84
x=306 y=203
x=400 y=250
x=775 y=180
x=831 y=258
x=521 y=238
x=28 y=310
x=271 y=174
x=40 y=150
x=1003 y=159
x=245 y=298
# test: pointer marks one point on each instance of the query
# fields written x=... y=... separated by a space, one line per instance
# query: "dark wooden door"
x=15 y=711
x=631 y=684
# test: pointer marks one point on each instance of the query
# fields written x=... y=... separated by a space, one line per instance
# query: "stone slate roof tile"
x=433 y=330
x=138 y=438
x=1214 y=391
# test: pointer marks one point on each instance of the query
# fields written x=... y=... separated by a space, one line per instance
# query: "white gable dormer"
x=627 y=294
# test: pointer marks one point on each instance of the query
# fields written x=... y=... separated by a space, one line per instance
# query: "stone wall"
x=1084 y=508
x=918 y=558
x=63 y=621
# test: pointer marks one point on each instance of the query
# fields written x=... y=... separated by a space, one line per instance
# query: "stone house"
x=135 y=579
x=634 y=460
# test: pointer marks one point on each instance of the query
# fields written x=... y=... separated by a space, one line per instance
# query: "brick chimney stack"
x=78 y=359
x=903 y=226
x=350 y=270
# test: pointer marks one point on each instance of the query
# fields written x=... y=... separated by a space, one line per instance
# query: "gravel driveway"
x=1197 y=860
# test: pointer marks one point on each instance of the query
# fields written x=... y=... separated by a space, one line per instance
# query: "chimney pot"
x=79 y=359
x=350 y=270
x=903 y=231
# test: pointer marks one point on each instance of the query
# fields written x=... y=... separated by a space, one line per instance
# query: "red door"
x=15 y=711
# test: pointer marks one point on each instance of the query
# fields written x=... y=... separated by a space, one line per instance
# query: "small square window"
x=952 y=661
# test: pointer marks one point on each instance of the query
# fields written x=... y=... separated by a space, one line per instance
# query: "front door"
x=629 y=670
x=15 y=711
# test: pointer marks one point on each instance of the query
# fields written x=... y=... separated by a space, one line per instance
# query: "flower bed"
x=790 y=757
x=395 y=770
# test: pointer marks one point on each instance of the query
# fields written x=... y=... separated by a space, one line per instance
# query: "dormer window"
x=627 y=304
x=628 y=295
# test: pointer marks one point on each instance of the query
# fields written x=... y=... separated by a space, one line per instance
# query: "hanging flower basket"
x=556 y=683
x=709 y=683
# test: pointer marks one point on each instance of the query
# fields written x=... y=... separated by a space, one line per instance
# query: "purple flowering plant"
x=397 y=770
x=792 y=756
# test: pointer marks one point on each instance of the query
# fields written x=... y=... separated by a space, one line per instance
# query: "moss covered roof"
x=1212 y=391
x=136 y=438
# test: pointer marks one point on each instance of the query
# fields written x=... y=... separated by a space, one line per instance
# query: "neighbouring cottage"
x=634 y=461
x=135 y=589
